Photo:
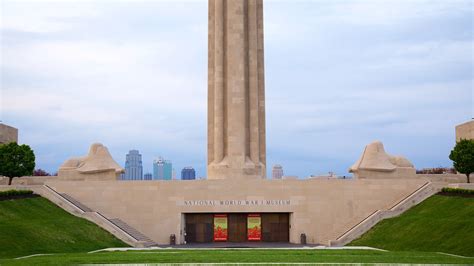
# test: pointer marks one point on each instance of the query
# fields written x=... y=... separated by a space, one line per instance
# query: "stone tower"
x=236 y=96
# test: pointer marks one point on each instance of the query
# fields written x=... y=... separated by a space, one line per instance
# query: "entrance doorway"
x=237 y=227
x=199 y=228
x=275 y=227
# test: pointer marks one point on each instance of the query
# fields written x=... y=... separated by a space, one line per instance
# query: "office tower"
x=277 y=171
x=162 y=169
x=188 y=173
x=133 y=166
x=147 y=176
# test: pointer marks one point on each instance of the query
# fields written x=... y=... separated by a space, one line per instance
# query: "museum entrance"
x=237 y=227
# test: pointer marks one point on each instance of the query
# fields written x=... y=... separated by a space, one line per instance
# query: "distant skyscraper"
x=133 y=166
x=162 y=169
x=148 y=176
x=277 y=171
x=188 y=173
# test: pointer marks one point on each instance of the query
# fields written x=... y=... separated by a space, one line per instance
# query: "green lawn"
x=440 y=223
x=243 y=256
x=35 y=225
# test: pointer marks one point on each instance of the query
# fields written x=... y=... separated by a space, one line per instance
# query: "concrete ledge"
x=462 y=186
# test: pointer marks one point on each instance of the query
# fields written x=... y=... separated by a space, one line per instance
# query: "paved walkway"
x=247 y=245
x=240 y=245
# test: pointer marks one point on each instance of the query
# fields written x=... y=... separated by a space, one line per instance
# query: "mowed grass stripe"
x=248 y=257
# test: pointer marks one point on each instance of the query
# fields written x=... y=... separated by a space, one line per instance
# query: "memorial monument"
x=8 y=134
x=97 y=165
x=376 y=163
x=238 y=204
x=236 y=90
x=465 y=130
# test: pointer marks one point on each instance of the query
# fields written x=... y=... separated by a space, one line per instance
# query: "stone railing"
x=419 y=195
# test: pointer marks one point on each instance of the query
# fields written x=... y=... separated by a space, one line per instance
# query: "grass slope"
x=243 y=256
x=440 y=223
x=35 y=225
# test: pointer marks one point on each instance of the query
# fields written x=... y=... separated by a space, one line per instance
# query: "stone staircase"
x=147 y=242
x=419 y=195
x=115 y=226
x=81 y=206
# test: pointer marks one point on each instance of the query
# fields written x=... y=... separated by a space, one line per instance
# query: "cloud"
x=339 y=74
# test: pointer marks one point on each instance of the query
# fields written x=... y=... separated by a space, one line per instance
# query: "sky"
x=338 y=75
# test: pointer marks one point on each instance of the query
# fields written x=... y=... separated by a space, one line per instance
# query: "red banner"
x=254 y=227
x=220 y=227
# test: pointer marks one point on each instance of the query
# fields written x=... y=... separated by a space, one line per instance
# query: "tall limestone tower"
x=236 y=97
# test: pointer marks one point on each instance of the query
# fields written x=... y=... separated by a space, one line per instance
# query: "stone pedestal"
x=236 y=97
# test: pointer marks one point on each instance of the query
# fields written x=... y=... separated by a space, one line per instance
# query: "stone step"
x=133 y=232
x=419 y=195
x=76 y=203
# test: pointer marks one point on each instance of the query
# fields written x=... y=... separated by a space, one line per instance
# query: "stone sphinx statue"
x=377 y=164
x=97 y=165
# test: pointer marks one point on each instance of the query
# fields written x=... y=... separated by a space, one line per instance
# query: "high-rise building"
x=133 y=166
x=148 y=176
x=162 y=169
x=277 y=171
x=188 y=173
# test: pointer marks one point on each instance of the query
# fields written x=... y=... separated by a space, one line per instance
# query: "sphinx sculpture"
x=97 y=165
x=375 y=163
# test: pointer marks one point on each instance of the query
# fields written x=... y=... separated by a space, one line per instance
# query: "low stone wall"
x=462 y=186
x=27 y=180
x=444 y=178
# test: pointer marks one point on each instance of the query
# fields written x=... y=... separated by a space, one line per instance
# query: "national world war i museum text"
x=237 y=203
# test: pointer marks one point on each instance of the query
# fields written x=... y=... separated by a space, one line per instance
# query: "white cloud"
x=38 y=17
x=339 y=74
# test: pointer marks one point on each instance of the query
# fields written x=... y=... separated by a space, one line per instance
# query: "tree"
x=16 y=160
x=463 y=157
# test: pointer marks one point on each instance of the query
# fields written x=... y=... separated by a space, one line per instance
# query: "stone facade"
x=236 y=94
x=8 y=134
x=465 y=131
x=322 y=209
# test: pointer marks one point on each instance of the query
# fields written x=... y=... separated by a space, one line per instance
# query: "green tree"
x=16 y=160
x=463 y=157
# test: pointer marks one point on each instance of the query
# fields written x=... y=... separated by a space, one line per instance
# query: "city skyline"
x=412 y=57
